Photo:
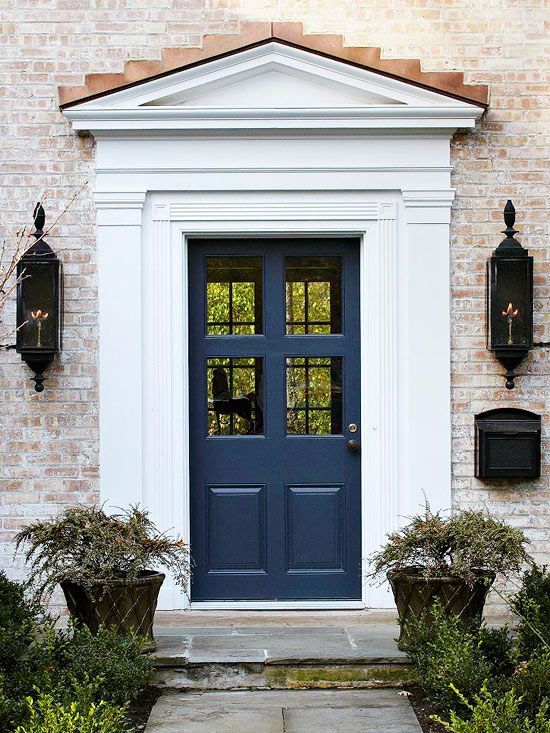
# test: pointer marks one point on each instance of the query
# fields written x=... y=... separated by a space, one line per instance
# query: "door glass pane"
x=233 y=296
x=313 y=295
x=314 y=395
x=235 y=395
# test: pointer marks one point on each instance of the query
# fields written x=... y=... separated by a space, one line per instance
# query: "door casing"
x=406 y=394
x=166 y=438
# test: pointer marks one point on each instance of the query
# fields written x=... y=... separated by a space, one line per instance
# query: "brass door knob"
x=352 y=446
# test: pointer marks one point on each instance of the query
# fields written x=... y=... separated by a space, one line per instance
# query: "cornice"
x=319 y=121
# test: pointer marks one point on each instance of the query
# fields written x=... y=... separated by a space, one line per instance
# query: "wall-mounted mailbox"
x=507 y=444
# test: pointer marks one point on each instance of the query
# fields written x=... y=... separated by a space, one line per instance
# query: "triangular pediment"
x=277 y=82
x=273 y=87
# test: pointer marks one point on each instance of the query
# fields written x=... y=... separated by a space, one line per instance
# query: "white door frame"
x=405 y=366
x=391 y=432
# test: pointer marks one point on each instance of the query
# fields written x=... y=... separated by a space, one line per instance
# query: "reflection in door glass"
x=235 y=395
x=233 y=296
x=314 y=395
x=313 y=295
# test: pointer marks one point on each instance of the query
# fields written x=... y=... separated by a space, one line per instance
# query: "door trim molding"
x=405 y=396
x=276 y=605
x=166 y=451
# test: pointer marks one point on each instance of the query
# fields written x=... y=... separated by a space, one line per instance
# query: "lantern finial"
x=509 y=214
x=510 y=243
x=40 y=247
x=39 y=216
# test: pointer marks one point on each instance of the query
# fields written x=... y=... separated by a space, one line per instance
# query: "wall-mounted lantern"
x=39 y=303
x=510 y=300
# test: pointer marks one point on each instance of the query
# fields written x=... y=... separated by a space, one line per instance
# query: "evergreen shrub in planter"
x=104 y=564
x=450 y=559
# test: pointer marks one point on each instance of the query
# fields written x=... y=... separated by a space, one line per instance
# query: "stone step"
x=252 y=657
x=256 y=676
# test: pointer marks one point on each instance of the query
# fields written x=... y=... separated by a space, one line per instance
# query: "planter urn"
x=415 y=594
x=125 y=605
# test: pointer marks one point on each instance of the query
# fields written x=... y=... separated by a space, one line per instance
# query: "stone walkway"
x=281 y=672
x=284 y=711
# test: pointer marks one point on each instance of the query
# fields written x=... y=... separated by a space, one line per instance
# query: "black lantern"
x=39 y=303
x=510 y=300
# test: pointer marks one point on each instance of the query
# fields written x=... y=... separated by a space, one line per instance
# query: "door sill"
x=276 y=605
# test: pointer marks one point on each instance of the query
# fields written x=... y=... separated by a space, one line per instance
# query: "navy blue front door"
x=274 y=403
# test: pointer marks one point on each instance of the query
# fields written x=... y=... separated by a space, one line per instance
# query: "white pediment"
x=273 y=86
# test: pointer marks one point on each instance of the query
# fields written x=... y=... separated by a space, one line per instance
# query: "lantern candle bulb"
x=510 y=314
x=39 y=316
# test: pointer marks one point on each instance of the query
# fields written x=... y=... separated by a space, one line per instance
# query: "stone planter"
x=414 y=596
x=127 y=606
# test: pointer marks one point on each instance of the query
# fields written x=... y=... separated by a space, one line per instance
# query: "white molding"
x=251 y=170
x=161 y=212
x=301 y=89
x=428 y=206
x=422 y=198
x=321 y=120
x=160 y=437
x=119 y=208
x=391 y=302
x=426 y=328
x=165 y=458
x=275 y=211
x=390 y=488
x=387 y=211
x=379 y=308
x=119 y=199
x=276 y=605
x=169 y=438
x=120 y=336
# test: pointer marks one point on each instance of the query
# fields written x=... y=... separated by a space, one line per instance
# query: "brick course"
x=49 y=453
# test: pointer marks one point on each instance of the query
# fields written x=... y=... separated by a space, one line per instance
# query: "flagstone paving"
x=284 y=711
x=280 y=673
x=355 y=638
x=334 y=646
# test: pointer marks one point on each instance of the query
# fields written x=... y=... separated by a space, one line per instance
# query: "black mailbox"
x=507 y=444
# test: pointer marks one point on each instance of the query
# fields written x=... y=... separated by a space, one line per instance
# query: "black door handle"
x=352 y=446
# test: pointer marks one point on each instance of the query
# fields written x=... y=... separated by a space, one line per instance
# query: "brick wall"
x=50 y=442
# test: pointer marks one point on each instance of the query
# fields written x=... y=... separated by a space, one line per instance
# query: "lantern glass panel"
x=37 y=317
x=511 y=309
